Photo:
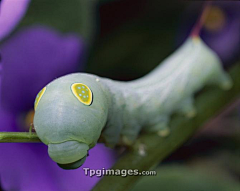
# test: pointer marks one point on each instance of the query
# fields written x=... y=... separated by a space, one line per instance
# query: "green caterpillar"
x=73 y=111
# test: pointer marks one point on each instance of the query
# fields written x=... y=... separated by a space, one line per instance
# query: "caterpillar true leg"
x=111 y=133
x=31 y=128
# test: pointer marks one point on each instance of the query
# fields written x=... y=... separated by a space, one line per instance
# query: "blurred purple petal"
x=7 y=121
x=28 y=167
x=31 y=59
x=10 y=14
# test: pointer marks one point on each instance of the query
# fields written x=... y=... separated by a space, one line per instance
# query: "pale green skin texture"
x=123 y=109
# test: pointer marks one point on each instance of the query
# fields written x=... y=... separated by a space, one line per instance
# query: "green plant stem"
x=18 y=137
x=209 y=103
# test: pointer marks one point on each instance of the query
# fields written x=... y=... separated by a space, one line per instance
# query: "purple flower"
x=11 y=13
x=220 y=31
x=31 y=59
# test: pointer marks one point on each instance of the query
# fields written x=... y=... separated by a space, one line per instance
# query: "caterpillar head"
x=70 y=113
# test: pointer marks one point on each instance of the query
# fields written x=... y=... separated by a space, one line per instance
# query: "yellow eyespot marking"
x=39 y=96
x=82 y=93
